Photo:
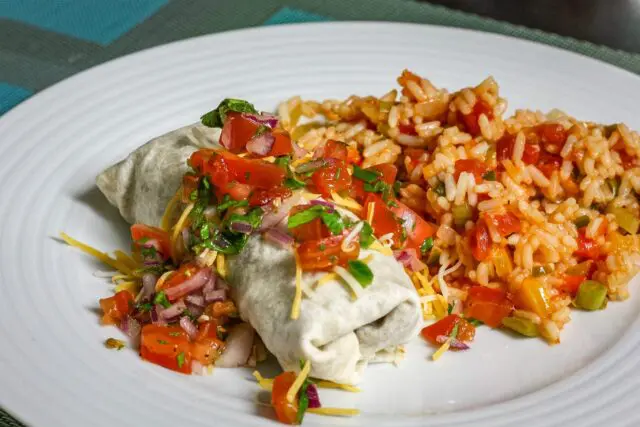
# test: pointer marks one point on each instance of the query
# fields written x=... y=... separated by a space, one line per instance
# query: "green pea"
x=461 y=214
x=522 y=326
x=582 y=221
x=591 y=295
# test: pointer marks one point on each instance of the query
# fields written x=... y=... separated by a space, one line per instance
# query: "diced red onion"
x=409 y=259
x=215 y=295
x=158 y=256
x=298 y=152
x=221 y=284
x=314 y=398
x=192 y=284
x=186 y=237
x=188 y=326
x=149 y=281
x=310 y=166
x=263 y=119
x=156 y=319
x=241 y=227
x=130 y=326
x=211 y=284
x=172 y=311
x=276 y=215
x=320 y=202
x=195 y=300
x=278 y=237
x=196 y=368
x=455 y=343
x=261 y=144
x=225 y=135
x=195 y=310
x=237 y=347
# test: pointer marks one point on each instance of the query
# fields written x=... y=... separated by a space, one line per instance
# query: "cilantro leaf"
x=367 y=175
x=426 y=245
x=216 y=118
x=293 y=183
x=303 y=402
x=377 y=187
x=366 y=235
x=361 y=272
x=144 y=307
x=333 y=221
x=475 y=322
x=161 y=299
x=228 y=202
x=305 y=216
x=180 y=359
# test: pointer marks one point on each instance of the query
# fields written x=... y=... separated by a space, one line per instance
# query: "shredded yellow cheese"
x=178 y=228
x=121 y=278
x=331 y=384
x=297 y=299
x=379 y=247
x=221 y=266
x=354 y=285
x=269 y=159
x=442 y=349
x=326 y=278
x=264 y=383
x=309 y=196
x=162 y=279
x=346 y=202
x=166 y=217
x=370 y=210
x=132 y=287
x=126 y=259
x=335 y=412
x=96 y=253
x=302 y=160
x=297 y=384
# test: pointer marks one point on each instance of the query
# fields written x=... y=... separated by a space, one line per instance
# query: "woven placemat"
x=43 y=41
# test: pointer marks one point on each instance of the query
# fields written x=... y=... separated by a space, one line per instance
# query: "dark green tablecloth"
x=45 y=41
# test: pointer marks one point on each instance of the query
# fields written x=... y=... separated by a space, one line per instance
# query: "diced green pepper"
x=522 y=326
x=614 y=184
x=439 y=189
x=591 y=295
x=582 y=221
x=461 y=214
x=625 y=218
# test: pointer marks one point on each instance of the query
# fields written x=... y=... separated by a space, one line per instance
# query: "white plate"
x=54 y=370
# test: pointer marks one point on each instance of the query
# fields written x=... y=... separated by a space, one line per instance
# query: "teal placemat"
x=45 y=41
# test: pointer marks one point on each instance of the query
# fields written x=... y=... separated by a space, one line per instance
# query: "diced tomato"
x=409 y=129
x=474 y=166
x=552 y=136
x=628 y=162
x=570 y=187
x=405 y=77
x=571 y=284
x=312 y=230
x=207 y=347
x=388 y=172
x=189 y=185
x=417 y=229
x=167 y=346
x=224 y=167
x=287 y=412
x=480 y=241
x=353 y=156
x=333 y=176
x=549 y=163
x=587 y=248
x=471 y=120
x=487 y=305
x=444 y=327
x=531 y=154
x=505 y=223
x=504 y=150
x=142 y=231
x=414 y=154
x=261 y=196
x=181 y=275
x=116 y=307
x=384 y=221
x=237 y=131
x=324 y=254
x=282 y=143
x=335 y=150
x=235 y=190
x=356 y=190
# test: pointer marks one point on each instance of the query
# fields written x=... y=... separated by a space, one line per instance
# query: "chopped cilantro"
x=396 y=188
x=439 y=189
x=361 y=272
x=216 y=118
x=426 y=245
x=377 y=187
x=475 y=322
x=283 y=162
x=163 y=342
x=161 y=299
x=333 y=221
x=180 y=359
x=303 y=402
x=367 y=175
x=322 y=246
x=449 y=309
x=174 y=334
x=193 y=196
x=305 y=216
x=247 y=175
x=228 y=202
x=148 y=252
x=262 y=129
x=204 y=231
x=489 y=176
x=454 y=331
x=366 y=235
x=293 y=183
x=144 y=307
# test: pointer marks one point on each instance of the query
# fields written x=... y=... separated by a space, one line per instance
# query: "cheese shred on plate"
x=326 y=278
x=97 y=254
x=379 y=247
x=165 y=222
x=297 y=384
x=346 y=202
x=348 y=278
x=221 y=266
x=179 y=226
x=297 y=299
x=335 y=412
x=442 y=349
x=264 y=383
x=331 y=384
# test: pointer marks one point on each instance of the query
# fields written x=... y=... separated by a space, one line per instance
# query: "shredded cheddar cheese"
x=132 y=287
x=367 y=259
x=166 y=216
x=302 y=160
x=178 y=228
x=221 y=266
x=264 y=383
x=326 y=278
x=442 y=349
x=346 y=202
x=379 y=247
x=297 y=384
x=96 y=253
x=335 y=412
x=297 y=299
x=370 y=210
x=162 y=279
x=126 y=259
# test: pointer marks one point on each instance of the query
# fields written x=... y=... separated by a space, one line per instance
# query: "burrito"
x=339 y=310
